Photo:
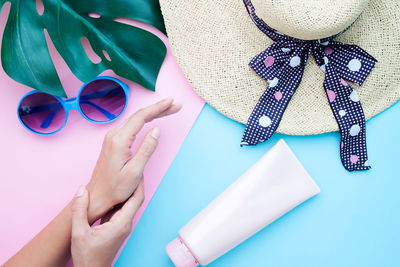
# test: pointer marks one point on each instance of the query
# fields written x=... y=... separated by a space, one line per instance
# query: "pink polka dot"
x=343 y=82
x=278 y=95
x=328 y=50
x=249 y=8
x=331 y=95
x=269 y=61
x=354 y=158
x=341 y=145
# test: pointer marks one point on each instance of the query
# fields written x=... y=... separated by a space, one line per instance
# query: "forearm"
x=51 y=247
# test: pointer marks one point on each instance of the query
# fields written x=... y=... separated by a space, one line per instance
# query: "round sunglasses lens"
x=102 y=100
x=42 y=113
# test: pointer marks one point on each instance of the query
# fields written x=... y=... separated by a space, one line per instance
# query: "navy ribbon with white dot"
x=282 y=66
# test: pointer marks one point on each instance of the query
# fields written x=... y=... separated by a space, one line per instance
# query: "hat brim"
x=213 y=42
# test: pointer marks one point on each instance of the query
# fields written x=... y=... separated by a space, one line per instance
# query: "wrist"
x=98 y=205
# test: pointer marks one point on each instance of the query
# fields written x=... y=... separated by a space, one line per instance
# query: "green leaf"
x=135 y=54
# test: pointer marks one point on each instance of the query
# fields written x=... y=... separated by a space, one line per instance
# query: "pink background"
x=39 y=175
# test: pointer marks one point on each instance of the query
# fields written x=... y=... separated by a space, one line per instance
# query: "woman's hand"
x=118 y=172
x=116 y=182
x=98 y=245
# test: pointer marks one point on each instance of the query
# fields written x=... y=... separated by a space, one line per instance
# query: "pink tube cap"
x=179 y=254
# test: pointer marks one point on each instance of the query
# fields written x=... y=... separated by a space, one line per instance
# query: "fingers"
x=136 y=164
x=149 y=144
x=171 y=110
x=79 y=212
x=107 y=217
x=135 y=122
x=131 y=126
x=125 y=215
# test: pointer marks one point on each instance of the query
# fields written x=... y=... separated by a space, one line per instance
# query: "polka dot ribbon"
x=282 y=66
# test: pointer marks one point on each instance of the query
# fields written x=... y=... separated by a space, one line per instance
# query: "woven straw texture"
x=302 y=19
x=213 y=42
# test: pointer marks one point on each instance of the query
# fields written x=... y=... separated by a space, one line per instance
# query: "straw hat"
x=214 y=42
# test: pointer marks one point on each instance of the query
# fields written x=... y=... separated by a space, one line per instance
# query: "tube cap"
x=179 y=254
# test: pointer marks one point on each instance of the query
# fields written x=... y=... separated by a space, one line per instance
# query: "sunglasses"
x=102 y=100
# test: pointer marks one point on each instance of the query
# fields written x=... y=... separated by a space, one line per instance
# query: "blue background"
x=354 y=221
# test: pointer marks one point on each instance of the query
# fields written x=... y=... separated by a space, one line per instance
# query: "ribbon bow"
x=282 y=66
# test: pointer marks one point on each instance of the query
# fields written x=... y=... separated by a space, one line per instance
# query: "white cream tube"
x=270 y=188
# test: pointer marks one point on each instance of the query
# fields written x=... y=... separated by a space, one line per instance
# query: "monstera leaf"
x=130 y=52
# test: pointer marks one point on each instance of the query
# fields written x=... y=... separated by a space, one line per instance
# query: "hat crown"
x=310 y=19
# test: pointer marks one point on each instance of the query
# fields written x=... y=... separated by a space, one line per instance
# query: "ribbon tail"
x=347 y=109
x=267 y=114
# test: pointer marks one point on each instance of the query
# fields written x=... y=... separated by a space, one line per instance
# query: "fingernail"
x=156 y=132
x=179 y=104
x=81 y=190
x=168 y=99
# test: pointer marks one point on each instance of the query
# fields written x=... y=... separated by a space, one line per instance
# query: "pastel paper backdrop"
x=353 y=222
x=40 y=174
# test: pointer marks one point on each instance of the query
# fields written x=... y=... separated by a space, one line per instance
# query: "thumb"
x=79 y=212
